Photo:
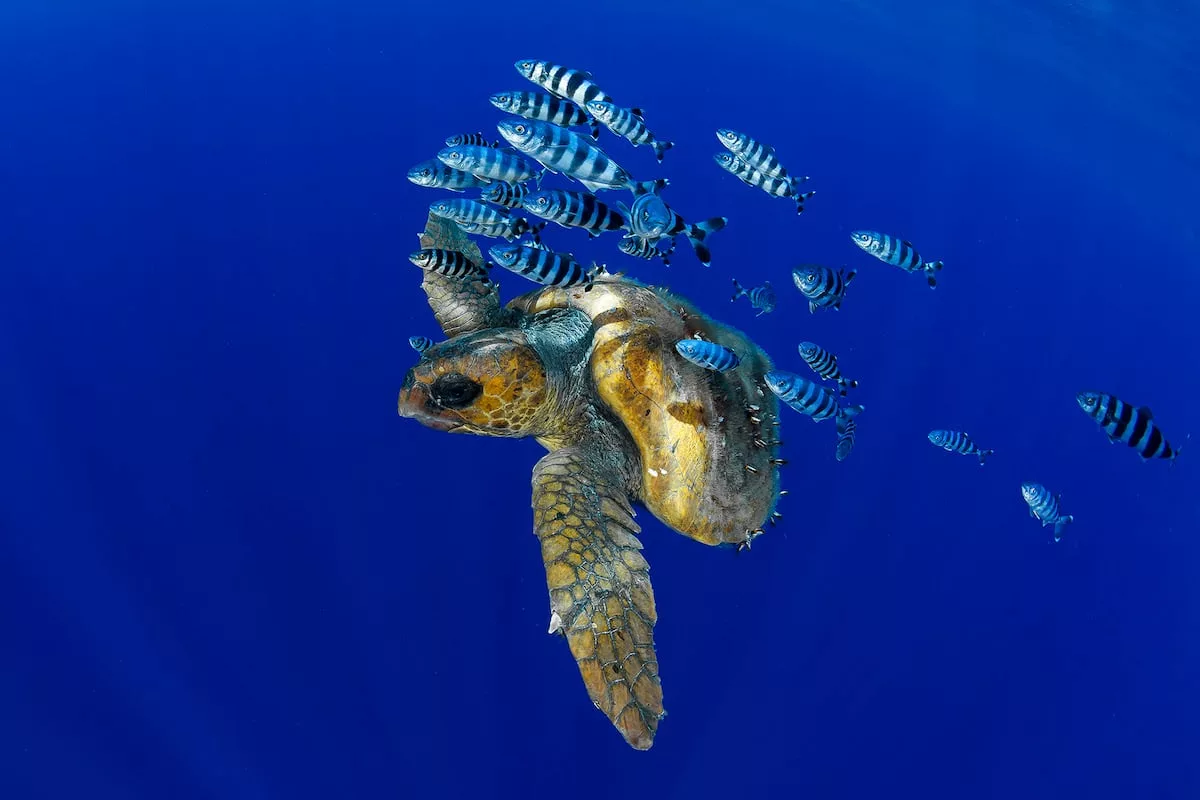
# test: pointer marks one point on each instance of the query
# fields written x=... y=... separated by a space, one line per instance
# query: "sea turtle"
x=593 y=375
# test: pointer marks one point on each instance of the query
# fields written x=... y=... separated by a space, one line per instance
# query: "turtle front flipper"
x=600 y=594
x=465 y=304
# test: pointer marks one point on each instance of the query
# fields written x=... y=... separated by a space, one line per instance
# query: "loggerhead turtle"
x=594 y=377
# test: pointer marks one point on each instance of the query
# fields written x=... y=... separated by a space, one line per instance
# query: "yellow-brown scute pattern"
x=691 y=426
x=515 y=396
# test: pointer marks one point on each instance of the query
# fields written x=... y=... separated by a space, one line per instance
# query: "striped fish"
x=761 y=297
x=648 y=248
x=470 y=138
x=847 y=427
x=823 y=286
x=544 y=265
x=807 y=397
x=759 y=156
x=509 y=230
x=420 y=343
x=561 y=150
x=628 y=122
x=450 y=263
x=1044 y=506
x=897 y=252
x=650 y=218
x=958 y=442
x=573 y=209
x=825 y=364
x=437 y=175
x=542 y=107
x=571 y=84
x=709 y=355
x=479 y=217
x=777 y=187
x=1124 y=423
x=495 y=163
x=509 y=195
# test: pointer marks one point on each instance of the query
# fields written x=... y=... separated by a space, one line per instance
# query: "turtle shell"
x=706 y=439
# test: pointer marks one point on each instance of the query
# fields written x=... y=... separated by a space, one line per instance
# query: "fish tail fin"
x=797 y=195
x=640 y=188
x=593 y=128
x=845 y=385
x=1176 y=451
x=932 y=268
x=738 y=291
x=850 y=412
x=1061 y=524
x=697 y=233
x=848 y=275
x=983 y=454
x=535 y=231
x=660 y=148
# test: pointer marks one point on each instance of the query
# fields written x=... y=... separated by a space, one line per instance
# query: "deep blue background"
x=227 y=569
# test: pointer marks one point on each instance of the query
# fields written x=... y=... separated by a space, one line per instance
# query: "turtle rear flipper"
x=600 y=594
x=461 y=305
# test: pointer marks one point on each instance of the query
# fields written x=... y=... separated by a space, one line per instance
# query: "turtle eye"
x=454 y=390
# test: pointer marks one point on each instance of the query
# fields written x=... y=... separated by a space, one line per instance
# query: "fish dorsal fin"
x=1146 y=412
x=637 y=112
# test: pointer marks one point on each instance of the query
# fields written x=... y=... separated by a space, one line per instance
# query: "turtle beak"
x=415 y=403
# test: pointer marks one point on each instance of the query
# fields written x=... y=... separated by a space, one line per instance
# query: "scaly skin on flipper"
x=600 y=594
x=461 y=305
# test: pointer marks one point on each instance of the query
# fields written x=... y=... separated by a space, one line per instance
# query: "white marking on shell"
x=555 y=622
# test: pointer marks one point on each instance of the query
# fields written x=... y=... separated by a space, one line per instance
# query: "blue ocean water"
x=228 y=569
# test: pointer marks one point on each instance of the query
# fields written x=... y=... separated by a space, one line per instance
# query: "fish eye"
x=425 y=173
x=503 y=98
x=519 y=128
x=454 y=156
x=646 y=215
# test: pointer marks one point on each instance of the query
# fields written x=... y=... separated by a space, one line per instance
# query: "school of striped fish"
x=539 y=139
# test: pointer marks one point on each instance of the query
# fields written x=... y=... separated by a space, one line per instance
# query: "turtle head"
x=490 y=383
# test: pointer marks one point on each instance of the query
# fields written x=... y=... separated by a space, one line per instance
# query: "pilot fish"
x=823 y=286
x=420 y=343
x=437 y=175
x=847 y=427
x=572 y=84
x=825 y=364
x=648 y=248
x=495 y=163
x=759 y=156
x=450 y=263
x=477 y=217
x=958 y=442
x=541 y=107
x=561 y=150
x=709 y=355
x=807 y=397
x=628 y=122
x=543 y=265
x=761 y=297
x=1045 y=506
x=470 y=138
x=1124 y=423
x=509 y=195
x=897 y=252
x=574 y=209
x=650 y=218
x=777 y=187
